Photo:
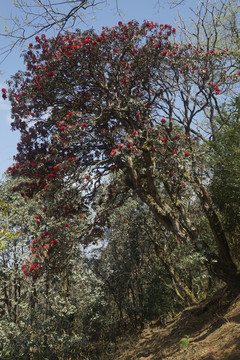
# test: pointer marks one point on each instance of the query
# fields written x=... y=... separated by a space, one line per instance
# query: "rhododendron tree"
x=119 y=114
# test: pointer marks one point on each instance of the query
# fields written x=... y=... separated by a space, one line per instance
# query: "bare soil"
x=212 y=329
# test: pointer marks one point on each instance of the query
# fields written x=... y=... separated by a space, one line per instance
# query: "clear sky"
x=152 y=10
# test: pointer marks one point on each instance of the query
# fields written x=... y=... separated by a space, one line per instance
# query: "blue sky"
x=103 y=16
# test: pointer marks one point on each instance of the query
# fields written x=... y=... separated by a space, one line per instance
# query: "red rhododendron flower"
x=32 y=267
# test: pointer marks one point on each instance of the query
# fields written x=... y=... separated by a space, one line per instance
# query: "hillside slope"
x=209 y=331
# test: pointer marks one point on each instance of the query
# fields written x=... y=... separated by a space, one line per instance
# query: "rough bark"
x=224 y=268
x=181 y=226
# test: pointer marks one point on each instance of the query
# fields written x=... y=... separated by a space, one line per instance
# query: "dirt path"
x=209 y=331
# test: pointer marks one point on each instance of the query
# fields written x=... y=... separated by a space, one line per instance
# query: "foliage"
x=81 y=311
x=5 y=234
x=49 y=323
x=46 y=318
x=131 y=271
x=146 y=273
x=184 y=342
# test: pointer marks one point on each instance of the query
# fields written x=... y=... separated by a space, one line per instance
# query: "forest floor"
x=208 y=331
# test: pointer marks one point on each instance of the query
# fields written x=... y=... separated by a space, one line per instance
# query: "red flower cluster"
x=4 y=95
x=113 y=152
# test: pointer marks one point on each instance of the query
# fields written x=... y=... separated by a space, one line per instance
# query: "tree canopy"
x=125 y=113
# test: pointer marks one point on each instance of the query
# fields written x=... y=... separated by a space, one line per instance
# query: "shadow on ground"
x=213 y=328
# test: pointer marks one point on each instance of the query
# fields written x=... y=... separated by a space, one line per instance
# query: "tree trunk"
x=182 y=287
x=224 y=268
